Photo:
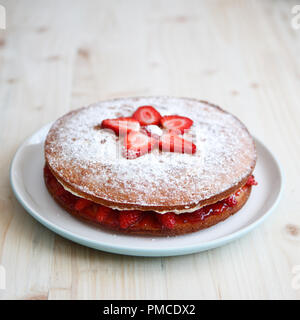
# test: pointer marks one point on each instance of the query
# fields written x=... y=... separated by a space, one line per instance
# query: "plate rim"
x=150 y=252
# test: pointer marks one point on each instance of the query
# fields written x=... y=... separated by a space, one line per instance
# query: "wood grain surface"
x=59 y=55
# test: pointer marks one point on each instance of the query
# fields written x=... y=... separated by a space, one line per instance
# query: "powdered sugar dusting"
x=90 y=159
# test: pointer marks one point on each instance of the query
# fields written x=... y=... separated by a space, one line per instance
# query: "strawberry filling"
x=135 y=219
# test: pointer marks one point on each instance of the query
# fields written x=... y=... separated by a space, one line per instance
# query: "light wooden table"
x=243 y=55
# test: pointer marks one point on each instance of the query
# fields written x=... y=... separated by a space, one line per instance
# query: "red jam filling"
x=135 y=219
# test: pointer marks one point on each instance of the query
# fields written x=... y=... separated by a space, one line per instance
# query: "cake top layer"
x=88 y=161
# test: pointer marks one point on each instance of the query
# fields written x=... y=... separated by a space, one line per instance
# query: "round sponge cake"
x=88 y=161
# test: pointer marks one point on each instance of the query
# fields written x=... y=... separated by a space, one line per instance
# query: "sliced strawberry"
x=129 y=218
x=138 y=144
x=82 y=204
x=121 y=125
x=149 y=221
x=112 y=219
x=251 y=181
x=176 y=123
x=173 y=143
x=57 y=188
x=90 y=211
x=147 y=115
x=168 y=220
x=231 y=201
x=102 y=213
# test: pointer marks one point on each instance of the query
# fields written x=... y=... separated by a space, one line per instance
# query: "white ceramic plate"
x=28 y=185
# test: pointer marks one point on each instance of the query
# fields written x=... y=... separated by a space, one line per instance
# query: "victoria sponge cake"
x=150 y=165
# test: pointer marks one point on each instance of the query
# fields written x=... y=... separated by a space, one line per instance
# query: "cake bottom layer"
x=147 y=222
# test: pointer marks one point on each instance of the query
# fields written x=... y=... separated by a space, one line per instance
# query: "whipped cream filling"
x=154 y=129
x=187 y=208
